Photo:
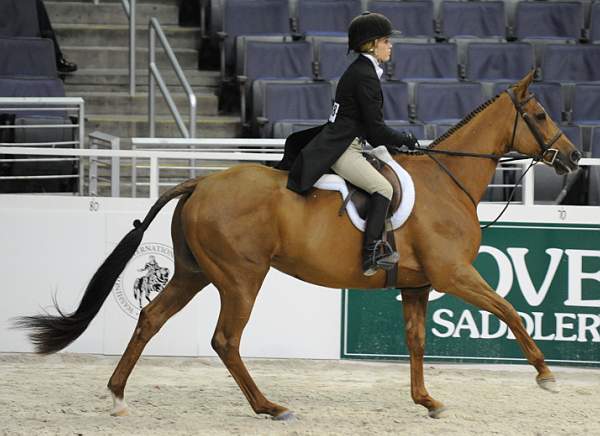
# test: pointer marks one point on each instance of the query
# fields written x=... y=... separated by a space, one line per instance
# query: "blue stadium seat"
x=595 y=143
x=31 y=87
x=18 y=18
x=595 y=22
x=27 y=57
x=416 y=129
x=271 y=102
x=276 y=59
x=332 y=56
x=573 y=132
x=283 y=129
x=395 y=100
x=571 y=63
x=549 y=20
x=586 y=104
x=497 y=61
x=414 y=18
x=446 y=103
x=549 y=94
x=481 y=19
x=256 y=17
x=326 y=17
x=414 y=61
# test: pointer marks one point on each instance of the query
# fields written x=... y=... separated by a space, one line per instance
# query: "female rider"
x=357 y=116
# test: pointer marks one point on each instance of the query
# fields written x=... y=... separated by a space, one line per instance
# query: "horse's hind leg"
x=414 y=306
x=178 y=292
x=187 y=281
x=467 y=284
x=237 y=300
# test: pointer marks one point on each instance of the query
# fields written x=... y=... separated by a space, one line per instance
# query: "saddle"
x=360 y=198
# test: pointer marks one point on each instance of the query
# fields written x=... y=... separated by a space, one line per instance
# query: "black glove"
x=409 y=140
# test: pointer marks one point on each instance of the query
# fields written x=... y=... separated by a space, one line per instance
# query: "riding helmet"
x=366 y=27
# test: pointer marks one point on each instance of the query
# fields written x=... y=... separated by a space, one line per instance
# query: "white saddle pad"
x=333 y=182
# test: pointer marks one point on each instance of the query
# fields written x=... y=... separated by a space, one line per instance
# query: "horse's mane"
x=454 y=128
x=464 y=121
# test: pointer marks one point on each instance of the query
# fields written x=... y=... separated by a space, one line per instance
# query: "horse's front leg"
x=414 y=305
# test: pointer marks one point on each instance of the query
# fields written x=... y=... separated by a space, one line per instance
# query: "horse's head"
x=536 y=134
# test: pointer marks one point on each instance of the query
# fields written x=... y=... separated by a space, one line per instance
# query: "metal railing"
x=102 y=139
x=49 y=105
x=155 y=77
x=129 y=6
x=231 y=151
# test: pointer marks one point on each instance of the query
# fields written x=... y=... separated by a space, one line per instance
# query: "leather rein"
x=547 y=155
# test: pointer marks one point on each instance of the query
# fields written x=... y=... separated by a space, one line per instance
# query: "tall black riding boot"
x=376 y=252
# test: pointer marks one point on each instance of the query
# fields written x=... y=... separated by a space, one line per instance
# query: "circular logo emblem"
x=144 y=277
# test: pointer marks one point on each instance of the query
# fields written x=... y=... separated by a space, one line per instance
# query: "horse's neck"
x=488 y=132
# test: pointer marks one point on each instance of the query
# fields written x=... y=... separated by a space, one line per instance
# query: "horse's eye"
x=540 y=116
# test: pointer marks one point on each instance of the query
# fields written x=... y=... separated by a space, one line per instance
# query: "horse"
x=229 y=228
x=154 y=282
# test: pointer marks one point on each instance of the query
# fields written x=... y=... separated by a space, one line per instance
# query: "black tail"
x=50 y=333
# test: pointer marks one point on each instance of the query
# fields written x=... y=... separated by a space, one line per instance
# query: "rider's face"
x=383 y=49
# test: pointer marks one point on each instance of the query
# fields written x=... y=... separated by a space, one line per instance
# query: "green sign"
x=549 y=273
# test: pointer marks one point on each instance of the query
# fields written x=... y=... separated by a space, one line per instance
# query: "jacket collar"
x=376 y=65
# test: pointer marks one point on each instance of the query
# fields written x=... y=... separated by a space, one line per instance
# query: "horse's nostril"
x=575 y=156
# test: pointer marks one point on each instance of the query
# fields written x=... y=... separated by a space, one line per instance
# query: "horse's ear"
x=522 y=85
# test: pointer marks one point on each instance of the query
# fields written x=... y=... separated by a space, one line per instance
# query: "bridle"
x=548 y=154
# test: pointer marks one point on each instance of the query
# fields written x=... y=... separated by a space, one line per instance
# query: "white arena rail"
x=217 y=149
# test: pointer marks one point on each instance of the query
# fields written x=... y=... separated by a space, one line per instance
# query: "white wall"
x=53 y=245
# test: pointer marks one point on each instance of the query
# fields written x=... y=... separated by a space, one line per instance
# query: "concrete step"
x=117 y=35
x=99 y=103
x=90 y=79
x=105 y=13
x=118 y=57
x=129 y=126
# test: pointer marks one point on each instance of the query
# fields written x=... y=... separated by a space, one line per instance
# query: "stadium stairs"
x=96 y=37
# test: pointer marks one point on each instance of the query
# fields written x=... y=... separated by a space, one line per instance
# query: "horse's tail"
x=49 y=333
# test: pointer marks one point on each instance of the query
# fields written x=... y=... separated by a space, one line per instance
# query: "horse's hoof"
x=288 y=415
x=119 y=407
x=548 y=384
x=437 y=413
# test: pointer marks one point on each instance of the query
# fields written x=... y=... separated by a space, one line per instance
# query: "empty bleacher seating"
x=395 y=101
x=446 y=103
x=586 y=104
x=332 y=57
x=416 y=61
x=27 y=56
x=549 y=94
x=494 y=61
x=549 y=20
x=328 y=17
x=18 y=18
x=256 y=17
x=271 y=100
x=414 y=18
x=571 y=63
x=595 y=22
x=595 y=142
x=480 y=19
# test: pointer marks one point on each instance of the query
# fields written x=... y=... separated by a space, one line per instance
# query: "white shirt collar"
x=378 y=68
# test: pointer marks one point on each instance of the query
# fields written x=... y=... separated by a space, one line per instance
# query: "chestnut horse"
x=230 y=228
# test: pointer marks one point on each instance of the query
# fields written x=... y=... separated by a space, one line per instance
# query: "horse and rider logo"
x=144 y=278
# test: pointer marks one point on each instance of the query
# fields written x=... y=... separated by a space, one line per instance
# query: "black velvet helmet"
x=367 y=27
